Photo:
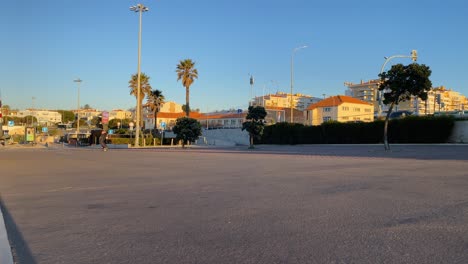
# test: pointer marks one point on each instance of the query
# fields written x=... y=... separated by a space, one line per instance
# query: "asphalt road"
x=292 y=204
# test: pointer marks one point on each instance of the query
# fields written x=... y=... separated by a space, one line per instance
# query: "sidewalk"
x=5 y=250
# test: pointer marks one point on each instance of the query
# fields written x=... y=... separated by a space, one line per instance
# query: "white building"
x=44 y=117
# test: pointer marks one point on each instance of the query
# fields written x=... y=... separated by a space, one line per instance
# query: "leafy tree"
x=187 y=129
x=155 y=101
x=87 y=106
x=5 y=109
x=67 y=116
x=187 y=73
x=145 y=88
x=114 y=123
x=96 y=121
x=255 y=123
x=400 y=83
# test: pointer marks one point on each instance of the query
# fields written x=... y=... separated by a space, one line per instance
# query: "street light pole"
x=78 y=81
x=140 y=8
x=413 y=56
x=292 y=78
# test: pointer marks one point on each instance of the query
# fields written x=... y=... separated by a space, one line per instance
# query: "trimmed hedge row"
x=412 y=129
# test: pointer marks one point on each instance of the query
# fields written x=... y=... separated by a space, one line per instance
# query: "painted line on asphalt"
x=5 y=250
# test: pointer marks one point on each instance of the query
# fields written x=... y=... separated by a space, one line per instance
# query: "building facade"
x=283 y=100
x=449 y=100
x=339 y=108
x=44 y=117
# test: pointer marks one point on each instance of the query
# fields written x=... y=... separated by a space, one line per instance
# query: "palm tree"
x=187 y=72
x=145 y=88
x=155 y=101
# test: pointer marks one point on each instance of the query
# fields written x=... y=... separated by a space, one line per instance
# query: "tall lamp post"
x=413 y=56
x=140 y=8
x=292 y=77
x=78 y=81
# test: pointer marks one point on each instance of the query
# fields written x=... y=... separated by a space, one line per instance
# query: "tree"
x=255 y=123
x=187 y=129
x=400 y=83
x=4 y=109
x=96 y=121
x=187 y=73
x=145 y=88
x=86 y=106
x=155 y=101
x=67 y=116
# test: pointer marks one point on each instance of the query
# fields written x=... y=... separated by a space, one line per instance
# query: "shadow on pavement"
x=21 y=252
x=420 y=152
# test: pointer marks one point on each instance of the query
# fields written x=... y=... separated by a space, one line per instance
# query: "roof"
x=197 y=115
x=336 y=101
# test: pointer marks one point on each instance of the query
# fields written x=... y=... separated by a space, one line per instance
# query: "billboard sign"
x=105 y=117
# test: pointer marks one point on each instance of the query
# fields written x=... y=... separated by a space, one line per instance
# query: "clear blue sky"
x=46 y=44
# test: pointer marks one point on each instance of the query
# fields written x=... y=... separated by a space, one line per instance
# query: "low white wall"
x=224 y=137
x=459 y=132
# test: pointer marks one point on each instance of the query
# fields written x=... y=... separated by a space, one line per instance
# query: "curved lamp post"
x=140 y=8
x=413 y=56
x=292 y=77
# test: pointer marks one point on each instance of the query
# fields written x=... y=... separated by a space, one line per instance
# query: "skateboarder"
x=102 y=140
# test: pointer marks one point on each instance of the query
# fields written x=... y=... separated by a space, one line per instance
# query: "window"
x=345 y=108
x=326 y=118
x=367 y=110
x=327 y=109
x=357 y=109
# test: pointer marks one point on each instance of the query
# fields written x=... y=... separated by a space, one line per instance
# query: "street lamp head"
x=385 y=57
x=139 y=8
x=301 y=47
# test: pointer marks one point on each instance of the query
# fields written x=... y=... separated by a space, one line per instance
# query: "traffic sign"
x=45 y=130
x=11 y=123
x=163 y=125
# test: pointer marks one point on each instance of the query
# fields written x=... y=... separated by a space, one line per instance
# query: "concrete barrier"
x=224 y=137
x=459 y=132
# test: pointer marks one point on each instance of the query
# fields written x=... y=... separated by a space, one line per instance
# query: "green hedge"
x=411 y=129
x=126 y=140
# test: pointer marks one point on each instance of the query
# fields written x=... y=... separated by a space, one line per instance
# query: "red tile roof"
x=336 y=101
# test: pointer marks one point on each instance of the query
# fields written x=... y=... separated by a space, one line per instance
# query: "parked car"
x=400 y=114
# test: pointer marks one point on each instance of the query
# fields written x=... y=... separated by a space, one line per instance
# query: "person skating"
x=102 y=140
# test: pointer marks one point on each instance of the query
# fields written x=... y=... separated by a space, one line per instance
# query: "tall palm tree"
x=145 y=88
x=155 y=101
x=187 y=72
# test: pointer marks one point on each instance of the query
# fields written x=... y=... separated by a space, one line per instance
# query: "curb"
x=5 y=249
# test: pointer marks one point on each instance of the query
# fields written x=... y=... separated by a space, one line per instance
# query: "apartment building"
x=283 y=100
x=339 y=108
x=449 y=100
x=87 y=114
x=366 y=91
x=120 y=114
x=44 y=117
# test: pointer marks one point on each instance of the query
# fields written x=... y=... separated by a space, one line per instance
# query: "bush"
x=412 y=129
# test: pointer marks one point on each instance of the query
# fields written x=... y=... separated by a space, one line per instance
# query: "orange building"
x=339 y=108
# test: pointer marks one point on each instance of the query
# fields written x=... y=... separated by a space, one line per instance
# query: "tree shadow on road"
x=20 y=249
x=418 y=152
